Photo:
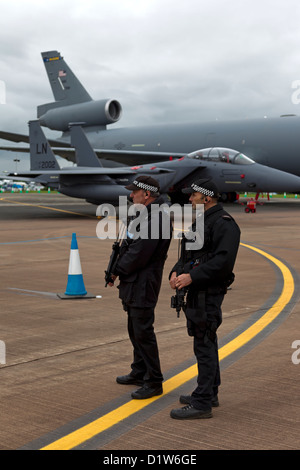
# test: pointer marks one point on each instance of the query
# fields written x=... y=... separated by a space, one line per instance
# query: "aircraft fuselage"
x=273 y=142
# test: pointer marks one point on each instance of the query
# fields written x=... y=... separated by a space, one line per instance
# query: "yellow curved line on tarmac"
x=270 y=315
x=103 y=423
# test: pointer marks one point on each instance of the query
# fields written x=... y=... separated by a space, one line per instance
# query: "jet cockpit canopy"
x=218 y=154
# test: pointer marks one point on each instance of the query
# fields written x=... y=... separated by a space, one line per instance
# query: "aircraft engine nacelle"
x=89 y=113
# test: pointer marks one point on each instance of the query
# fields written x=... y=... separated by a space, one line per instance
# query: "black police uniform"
x=140 y=268
x=211 y=270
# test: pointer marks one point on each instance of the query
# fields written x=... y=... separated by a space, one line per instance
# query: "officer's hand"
x=173 y=280
x=182 y=281
x=113 y=277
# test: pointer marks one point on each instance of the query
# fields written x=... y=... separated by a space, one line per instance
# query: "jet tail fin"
x=84 y=153
x=41 y=154
x=66 y=87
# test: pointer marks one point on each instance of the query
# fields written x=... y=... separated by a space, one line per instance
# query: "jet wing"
x=127 y=157
x=78 y=171
x=13 y=137
x=59 y=151
x=16 y=149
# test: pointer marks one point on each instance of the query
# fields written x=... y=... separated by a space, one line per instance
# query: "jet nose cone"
x=272 y=180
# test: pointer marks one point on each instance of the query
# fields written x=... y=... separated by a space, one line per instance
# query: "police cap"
x=203 y=186
x=144 y=182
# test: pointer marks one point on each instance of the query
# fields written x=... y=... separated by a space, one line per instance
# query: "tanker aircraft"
x=96 y=184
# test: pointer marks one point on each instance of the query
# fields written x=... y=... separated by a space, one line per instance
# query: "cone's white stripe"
x=74 y=264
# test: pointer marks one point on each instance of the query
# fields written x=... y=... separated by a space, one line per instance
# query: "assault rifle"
x=178 y=300
x=114 y=256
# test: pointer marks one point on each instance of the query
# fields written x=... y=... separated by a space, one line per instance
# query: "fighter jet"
x=89 y=180
x=273 y=142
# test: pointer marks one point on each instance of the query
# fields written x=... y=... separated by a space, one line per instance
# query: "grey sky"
x=165 y=61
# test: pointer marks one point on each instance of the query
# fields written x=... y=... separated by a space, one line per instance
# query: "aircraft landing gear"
x=229 y=197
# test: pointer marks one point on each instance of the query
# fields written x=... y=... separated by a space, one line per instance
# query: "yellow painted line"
x=103 y=423
x=270 y=315
x=46 y=207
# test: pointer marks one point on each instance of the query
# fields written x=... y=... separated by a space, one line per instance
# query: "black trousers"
x=206 y=352
x=146 y=363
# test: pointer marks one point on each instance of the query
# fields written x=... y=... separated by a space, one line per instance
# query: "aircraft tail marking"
x=66 y=87
x=41 y=154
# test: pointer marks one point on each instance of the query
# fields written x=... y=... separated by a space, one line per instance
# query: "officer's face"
x=197 y=198
x=139 y=196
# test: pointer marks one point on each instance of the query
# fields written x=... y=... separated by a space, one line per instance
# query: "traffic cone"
x=75 y=286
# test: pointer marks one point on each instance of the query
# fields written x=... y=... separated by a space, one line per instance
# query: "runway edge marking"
x=108 y=420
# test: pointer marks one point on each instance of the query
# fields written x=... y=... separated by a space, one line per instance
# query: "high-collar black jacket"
x=141 y=260
x=212 y=266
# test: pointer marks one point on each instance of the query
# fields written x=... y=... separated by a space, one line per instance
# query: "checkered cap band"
x=204 y=191
x=146 y=187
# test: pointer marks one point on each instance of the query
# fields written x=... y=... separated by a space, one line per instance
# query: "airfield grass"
x=273 y=195
x=241 y=195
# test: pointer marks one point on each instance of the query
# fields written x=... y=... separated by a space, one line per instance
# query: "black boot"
x=189 y=412
x=186 y=400
x=148 y=391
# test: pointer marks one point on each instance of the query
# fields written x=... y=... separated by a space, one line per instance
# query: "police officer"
x=140 y=268
x=207 y=274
